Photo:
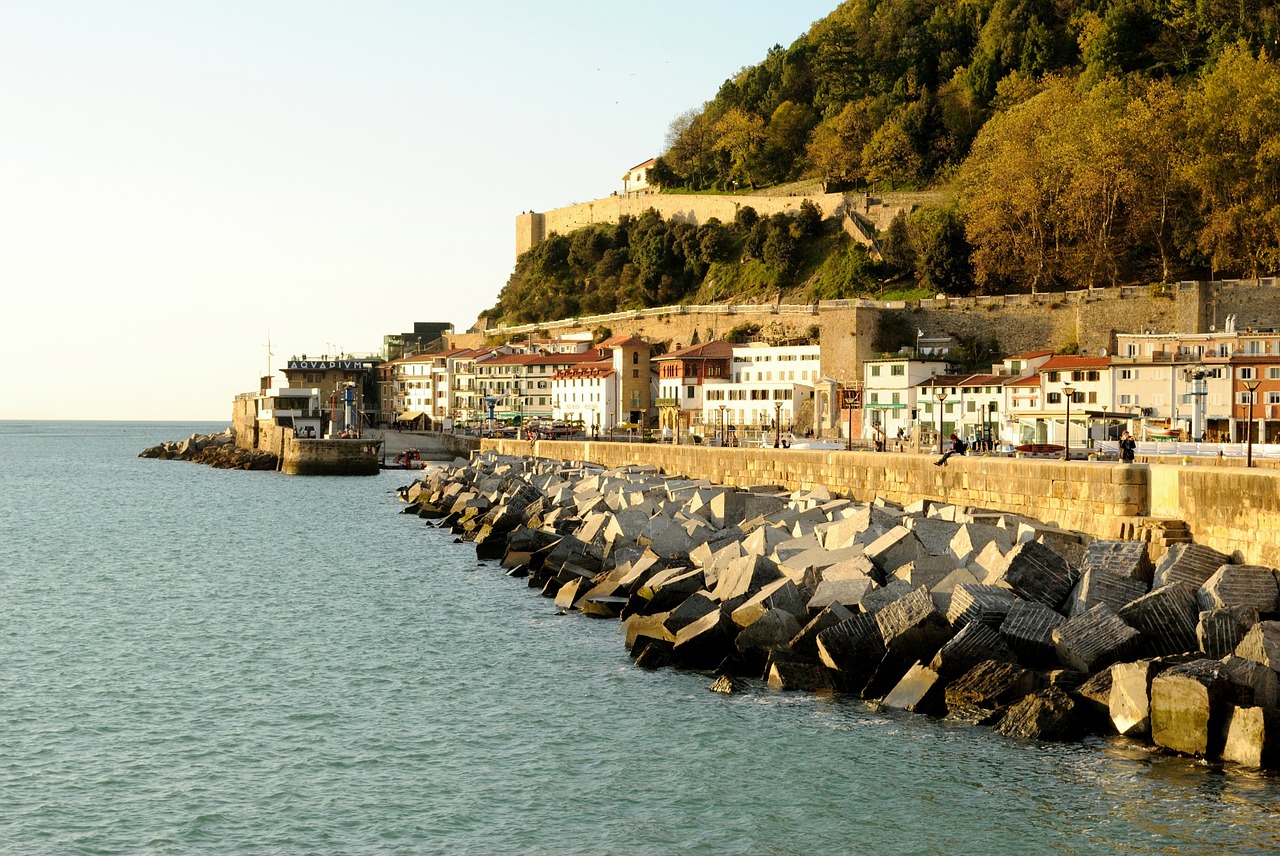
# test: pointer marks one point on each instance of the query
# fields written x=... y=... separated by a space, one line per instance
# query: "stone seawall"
x=1082 y=496
x=330 y=457
x=1233 y=511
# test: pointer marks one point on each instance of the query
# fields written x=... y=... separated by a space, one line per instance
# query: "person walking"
x=1127 y=447
x=958 y=447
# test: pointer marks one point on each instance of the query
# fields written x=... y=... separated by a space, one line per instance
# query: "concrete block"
x=858 y=566
x=705 y=643
x=1192 y=564
x=780 y=594
x=852 y=649
x=935 y=535
x=1166 y=618
x=894 y=549
x=771 y=631
x=793 y=675
x=980 y=695
x=912 y=631
x=877 y=599
x=926 y=571
x=1249 y=586
x=1130 y=701
x=1262 y=644
x=763 y=539
x=1219 y=631
x=847 y=593
x=944 y=589
x=921 y=690
x=1099 y=585
x=1095 y=639
x=1126 y=558
x=989 y=563
x=1253 y=738
x=988 y=605
x=745 y=576
x=971 y=538
x=975 y=644
x=1049 y=714
x=693 y=607
x=1262 y=683
x=805 y=643
x=1034 y=572
x=1191 y=706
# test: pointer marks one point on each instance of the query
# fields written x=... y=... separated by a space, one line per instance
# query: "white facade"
x=765 y=381
x=890 y=394
x=586 y=395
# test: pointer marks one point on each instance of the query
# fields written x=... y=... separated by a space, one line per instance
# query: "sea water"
x=204 y=661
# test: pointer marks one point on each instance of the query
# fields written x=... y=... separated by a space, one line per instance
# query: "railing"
x=1186 y=448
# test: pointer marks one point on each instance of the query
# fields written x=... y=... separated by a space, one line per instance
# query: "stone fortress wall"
x=878 y=210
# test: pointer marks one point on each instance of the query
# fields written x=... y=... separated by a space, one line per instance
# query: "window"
x=635 y=358
x=1052 y=377
x=1246 y=373
x=1053 y=398
x=1273 y=374
x=1273 y=398
x=690 y=395
x=897 y=370
x=1093 y=398
x=873 y=398
x=1091 y=376
x=635 y=372
x=1128 y=374
x=875 y=371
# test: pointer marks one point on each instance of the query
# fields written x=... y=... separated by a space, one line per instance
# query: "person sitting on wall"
x=958 y=447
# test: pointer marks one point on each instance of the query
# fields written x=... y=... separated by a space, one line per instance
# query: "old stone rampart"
x=878 y=210
x=1231 y=509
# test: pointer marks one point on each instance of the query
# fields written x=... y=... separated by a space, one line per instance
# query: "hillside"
x=1087 y=142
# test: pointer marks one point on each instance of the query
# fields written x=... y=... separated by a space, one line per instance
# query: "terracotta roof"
x=985 y=380
x=1031 y=355
x=1033 y=380
x=1068 y=361
x=619 y=341
x=543 y=359
x=944 y=380
x=603 y=368
x=717 y=350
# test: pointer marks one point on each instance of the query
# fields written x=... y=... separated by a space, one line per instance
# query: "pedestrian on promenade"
x=1127 y=447
x=958 y=447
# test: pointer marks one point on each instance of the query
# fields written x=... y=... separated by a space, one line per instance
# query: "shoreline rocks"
x=214 y=450
x=974 y=615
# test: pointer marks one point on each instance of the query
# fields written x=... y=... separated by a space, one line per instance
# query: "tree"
x=739 y=135
x=1234 y=121
x=942 y=253
x=895 y=244
x=1156 y=198
x=1010 y=188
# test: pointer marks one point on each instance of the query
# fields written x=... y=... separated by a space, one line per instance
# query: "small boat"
x=1038 y=448
x=409 y=459
x=1164 y=434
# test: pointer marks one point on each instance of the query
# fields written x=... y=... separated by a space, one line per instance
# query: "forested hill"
x=1087 y=142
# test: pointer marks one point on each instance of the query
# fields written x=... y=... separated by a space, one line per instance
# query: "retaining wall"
x=1232 y=510
x=330 y=457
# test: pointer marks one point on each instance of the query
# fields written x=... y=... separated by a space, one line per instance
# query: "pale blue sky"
x=178 y=180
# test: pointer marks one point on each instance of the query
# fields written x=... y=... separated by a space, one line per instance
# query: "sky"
x=181 y=183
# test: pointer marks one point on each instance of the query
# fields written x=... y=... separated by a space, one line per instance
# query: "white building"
x=890 y=394
x=766 y=382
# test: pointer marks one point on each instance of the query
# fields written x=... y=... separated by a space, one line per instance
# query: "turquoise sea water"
x=203 y=661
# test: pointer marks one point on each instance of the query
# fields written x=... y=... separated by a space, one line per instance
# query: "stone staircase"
x=1158 y=533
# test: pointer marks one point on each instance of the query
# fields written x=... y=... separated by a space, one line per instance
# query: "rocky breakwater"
x=216 y=450
x=974 y=615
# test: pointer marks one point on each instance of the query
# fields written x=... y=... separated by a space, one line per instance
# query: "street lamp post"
x=991 y=425
x=941 y=394
x=723 y=432
x=777 y=424
x=1069 y=391
x=1252 y=386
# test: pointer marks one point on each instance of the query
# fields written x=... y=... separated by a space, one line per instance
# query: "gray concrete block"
x=921 y=690
x=1095 y=640
x=894 y=549
x=1191 y=707
x=1192 y=564
x=1127 y=558
x=1253 y=738
x=1049 y=714
x=987 y=689
x=975 y=644
x=1249 y=586
x=805 y=643
x=978 y=603
x=1166 y=618
x=1035 y=572
x=1099 y=585
x=1219 y=631
x=1262 y=644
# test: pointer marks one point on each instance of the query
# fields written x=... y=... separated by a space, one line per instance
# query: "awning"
x=409 y=416
x=1104 y=414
